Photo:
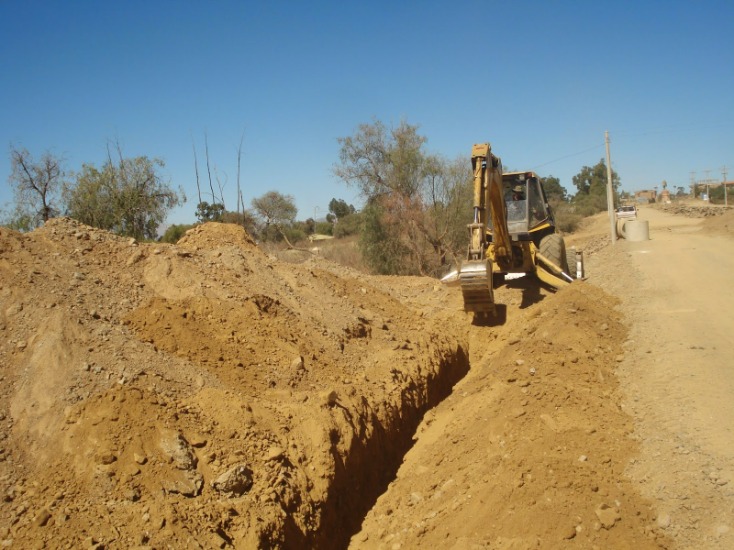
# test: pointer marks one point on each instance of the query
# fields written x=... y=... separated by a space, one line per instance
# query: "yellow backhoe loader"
x=513 y=231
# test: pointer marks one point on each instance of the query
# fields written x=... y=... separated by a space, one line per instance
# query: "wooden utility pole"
x=610 y=193
x=726 y=198
x=239 y=160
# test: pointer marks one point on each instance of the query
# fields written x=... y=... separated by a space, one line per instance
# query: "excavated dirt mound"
x=206 y=395
x=201 y=394
x=722 y=223
x=530 y=449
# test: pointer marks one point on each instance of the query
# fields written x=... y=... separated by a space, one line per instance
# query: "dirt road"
x=678 y=374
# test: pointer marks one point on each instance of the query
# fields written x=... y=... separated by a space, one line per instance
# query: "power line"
x=568 y=156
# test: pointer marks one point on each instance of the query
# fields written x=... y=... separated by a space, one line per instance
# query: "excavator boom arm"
x=489 y=203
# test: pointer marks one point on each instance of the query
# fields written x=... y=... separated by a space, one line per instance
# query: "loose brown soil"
x=207 y=395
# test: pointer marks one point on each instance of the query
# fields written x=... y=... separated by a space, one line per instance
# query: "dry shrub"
x=344 y=252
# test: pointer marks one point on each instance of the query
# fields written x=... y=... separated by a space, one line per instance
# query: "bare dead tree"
x=239 y=162
x=36 y=183
x=220 y=186
x=208 y=168
x=196 y=169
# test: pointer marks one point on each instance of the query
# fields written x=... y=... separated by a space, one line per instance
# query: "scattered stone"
x=329 y=398
x=236 y=481
x=663 y=521
x=106 y=458
x=186 y=483
x=607 y=516
x=415 y=498
x=178 y=449
x=134 y=258
x=197 y=440
x=275 y=453
x=42 y=519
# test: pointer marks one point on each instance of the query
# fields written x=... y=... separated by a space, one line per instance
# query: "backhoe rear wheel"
x=554 y=248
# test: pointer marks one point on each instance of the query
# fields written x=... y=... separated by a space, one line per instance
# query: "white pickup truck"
x=627 y=212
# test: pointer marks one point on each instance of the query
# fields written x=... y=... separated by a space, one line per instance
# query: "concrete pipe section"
x=634 y=230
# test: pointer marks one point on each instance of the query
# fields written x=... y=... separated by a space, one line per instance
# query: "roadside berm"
x=207 y=395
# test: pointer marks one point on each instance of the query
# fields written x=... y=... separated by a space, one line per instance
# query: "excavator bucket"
x=475 y=278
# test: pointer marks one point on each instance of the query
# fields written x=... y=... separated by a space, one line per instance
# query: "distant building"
x=703 y=188
x=646 y=195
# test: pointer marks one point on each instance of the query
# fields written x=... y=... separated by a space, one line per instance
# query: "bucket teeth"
x=476 y=286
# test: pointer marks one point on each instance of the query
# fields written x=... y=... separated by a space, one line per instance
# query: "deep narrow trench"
x=371 y=464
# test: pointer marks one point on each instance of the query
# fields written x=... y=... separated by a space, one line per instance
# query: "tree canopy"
x=592 y=180
x=338 y=209
x=591 y=183
x=274 y=208
x=417 y=204
x=128 y=197
x=554 y=191
x=206 y=212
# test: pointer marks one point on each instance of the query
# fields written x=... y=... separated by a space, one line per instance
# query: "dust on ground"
x=207 y=395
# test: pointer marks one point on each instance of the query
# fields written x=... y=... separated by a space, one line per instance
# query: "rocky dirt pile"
x=723 y=223
x=201 y=395
x=692 y=211
x=539 y=414
x=207 y=395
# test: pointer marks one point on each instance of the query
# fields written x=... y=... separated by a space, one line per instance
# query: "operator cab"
x=525 y=202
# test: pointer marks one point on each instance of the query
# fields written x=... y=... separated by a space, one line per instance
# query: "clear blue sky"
x=541 y=81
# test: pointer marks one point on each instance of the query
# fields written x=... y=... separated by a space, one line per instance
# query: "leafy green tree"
x=275 y=208
x=324 y=228
x=716 y=194
x=339 y=209
x=447 y=196
x=36 y=186
x=380 y=242
x=19 y=220
x=592 y=180
x=128 y=197
x=91 y=198
x=175 y=232
x=416 y=202
x=591 y=183
x=206 y=212
x=351 y=224
x=554 y=191
x=378 y=160
x=276 y=212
